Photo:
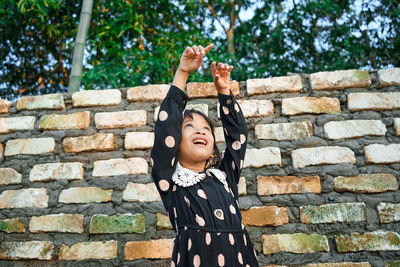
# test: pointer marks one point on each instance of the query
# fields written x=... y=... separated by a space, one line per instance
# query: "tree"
x=135 y=42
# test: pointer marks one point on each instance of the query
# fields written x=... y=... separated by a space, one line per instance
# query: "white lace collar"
x=185 y=177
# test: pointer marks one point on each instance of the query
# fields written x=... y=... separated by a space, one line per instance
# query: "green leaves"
x=133 y=42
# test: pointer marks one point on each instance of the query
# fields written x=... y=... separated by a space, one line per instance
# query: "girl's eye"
x=188 y=125
x=207 y=129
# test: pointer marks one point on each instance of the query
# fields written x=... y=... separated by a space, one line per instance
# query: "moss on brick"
x=360 y=75
x=331 y=213
x=125 y=223
x=303 y=243
x=392 y=264
x=372 y=241
x=12 y=225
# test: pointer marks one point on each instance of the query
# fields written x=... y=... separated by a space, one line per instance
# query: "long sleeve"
x=235 y=131
x=168 y=134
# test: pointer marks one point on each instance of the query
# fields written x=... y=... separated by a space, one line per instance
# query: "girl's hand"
x=221 y=75
x=192 y=58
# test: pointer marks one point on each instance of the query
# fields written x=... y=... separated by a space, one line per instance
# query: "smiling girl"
x=198 y=188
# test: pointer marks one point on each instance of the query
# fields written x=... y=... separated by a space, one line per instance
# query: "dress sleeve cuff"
x=227 y=100
x=178 y=95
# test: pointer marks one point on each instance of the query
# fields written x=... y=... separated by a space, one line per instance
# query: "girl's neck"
x=193 y=166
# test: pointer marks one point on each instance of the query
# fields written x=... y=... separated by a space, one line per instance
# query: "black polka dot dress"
x=202 y=207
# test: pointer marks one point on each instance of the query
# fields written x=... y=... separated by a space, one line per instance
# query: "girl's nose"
x=200 y=131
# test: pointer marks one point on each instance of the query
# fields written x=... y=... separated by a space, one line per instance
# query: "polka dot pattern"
x=186 y=200
x=242 y=138
x=241 y=164
x=163 y=115
x=240 y=259
x=178 y=259
x=231 y=239
x=236 y=145
x=172 y=161
x=164 y=185
x=225 y=110
x=189 y=244
x=232 y=209
x=219 y=213
x=244 y=239
x=200 y=221
x=237 y=107
x=221 y=260
x=208 y=239
x=170 y=141
x=196 y=261
x=152 y=162
x=201 y=193
x=233 y=165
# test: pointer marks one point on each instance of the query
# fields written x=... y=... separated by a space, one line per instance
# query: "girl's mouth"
x=200 y=141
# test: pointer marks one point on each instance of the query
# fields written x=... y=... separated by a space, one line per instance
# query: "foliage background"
x=134 y=42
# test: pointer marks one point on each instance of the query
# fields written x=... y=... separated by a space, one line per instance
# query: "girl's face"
x=197 y=139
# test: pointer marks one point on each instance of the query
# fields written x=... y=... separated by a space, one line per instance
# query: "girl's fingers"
x=196 y=50
x=214 y=67
x=189 y=51
x=208 y=48
x=220 y=66
x=202 y=51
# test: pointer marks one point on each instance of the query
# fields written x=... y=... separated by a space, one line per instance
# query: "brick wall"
x=319 y=186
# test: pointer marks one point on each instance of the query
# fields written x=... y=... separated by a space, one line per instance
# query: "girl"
x=197 y=187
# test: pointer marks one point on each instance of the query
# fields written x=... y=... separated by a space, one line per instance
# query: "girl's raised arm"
x=168 y=127
x=234 y=124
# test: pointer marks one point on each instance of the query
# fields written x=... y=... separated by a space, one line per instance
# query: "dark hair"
x=215 y=161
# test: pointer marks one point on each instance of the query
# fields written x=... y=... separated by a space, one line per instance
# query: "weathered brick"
x=121 y=223
x=295 y=243
x=219 y=134
x=265 y=215
x=162 y=222
x=85 y=195
x=273 y=85
x=41 y=250
x=56 y=171
x=1 y=150
x=255 y=108
x=389 y=77
x=8 y=125
x=92 y=98
x=354 y=129
x=339 y=79
x=64 y=223
x=315 y=105
x=197 y=90
x=120 y=119
x=382 y=154
x=276 y=185
x=200 y=107
x=262 y=157
x=396 y=122
x=333 y=213
x=4 y=106
x=112 y=167
x=12 y=226
x=371 y=241
x=303 y=157
x=392 y=263
x=242 y=190
x=97 y=142
x=389 y=212
x=373 y=101
x=30 y=146
x=50 y=101
x=24 y=198
x=9 y=176
x=139 y=140
x=338 y=264
x=147 y=92
x=366 y=183
x=275 y=265
x=140 y=192
x=89 y=250
x=78 y=120
x=284 y=131
x=152 y=249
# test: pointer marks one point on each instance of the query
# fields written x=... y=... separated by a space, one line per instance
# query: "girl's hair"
x=215 y=161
